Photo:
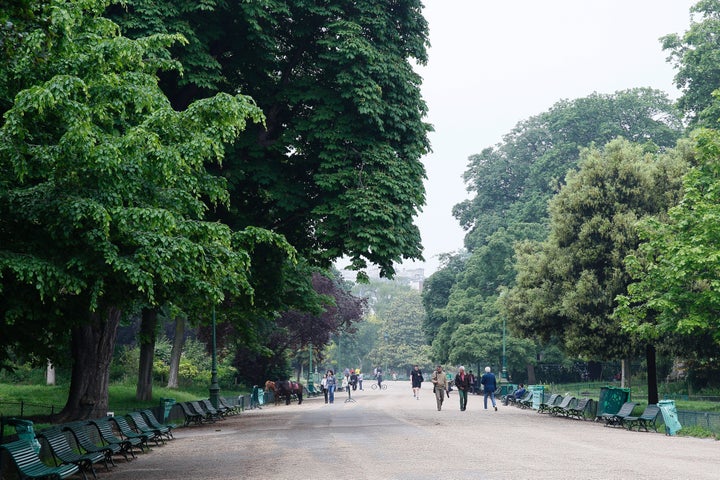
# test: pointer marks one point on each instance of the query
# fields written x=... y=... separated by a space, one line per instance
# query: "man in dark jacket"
x=416 y=379
x=489 y=386
x=462 y=382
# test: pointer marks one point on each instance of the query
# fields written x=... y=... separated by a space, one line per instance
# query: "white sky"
x=495 y=63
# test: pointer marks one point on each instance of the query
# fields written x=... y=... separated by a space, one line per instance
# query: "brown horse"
x=286 y=389
x=270 y=387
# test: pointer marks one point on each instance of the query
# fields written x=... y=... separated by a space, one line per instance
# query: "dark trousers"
x=463 y=398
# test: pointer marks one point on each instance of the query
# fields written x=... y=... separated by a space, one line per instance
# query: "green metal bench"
x=562 y=407
x=648 y=418
x=81 y=432
x=553 y=401
x=107 y=435
x=579 y=410
x=618 y=419
x=30 y=466
x=155 y=423
x=159 y=434
x=63 y=452
x=191 y=416
x=127 y=432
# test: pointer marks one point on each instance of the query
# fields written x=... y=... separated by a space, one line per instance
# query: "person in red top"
x=462 y=382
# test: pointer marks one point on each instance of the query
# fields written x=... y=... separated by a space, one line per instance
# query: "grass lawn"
x=47 y=399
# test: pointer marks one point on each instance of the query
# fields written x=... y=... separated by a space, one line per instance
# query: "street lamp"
x=503 y=373
x=214 y=387
x=310 y=372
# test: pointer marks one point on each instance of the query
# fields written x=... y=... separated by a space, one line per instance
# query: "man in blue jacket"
x=489 y=386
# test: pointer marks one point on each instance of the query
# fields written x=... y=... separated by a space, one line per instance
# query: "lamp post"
x=503 y=373
x=214 y=387
x=310 y=370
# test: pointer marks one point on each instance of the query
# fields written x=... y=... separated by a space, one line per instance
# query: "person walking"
x=353 y=379
x=489 y=386
x=331 y=384
x=473 y=382
x=462 y=382
x=439 y=381
x=323 y=385
x=416 y=379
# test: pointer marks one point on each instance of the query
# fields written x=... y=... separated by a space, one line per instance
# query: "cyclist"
x=378 y=373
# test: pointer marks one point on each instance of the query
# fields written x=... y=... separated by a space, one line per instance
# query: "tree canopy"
x=105 y=191
x=696 y=57
x=566 y=285
x=675 y=273
x=336 y=167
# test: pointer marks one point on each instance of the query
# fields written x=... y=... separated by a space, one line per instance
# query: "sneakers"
x=495 y=408
x=418 y=397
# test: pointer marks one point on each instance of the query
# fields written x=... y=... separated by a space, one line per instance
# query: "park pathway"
x=390 y=435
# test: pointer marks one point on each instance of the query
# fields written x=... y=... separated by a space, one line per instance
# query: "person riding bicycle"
x=379 y=375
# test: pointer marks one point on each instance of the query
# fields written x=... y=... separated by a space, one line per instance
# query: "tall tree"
x=513 y=181
x=696 y=57
x=336 y=168
x=674 y=293
x=566 y=285
x=104 y=189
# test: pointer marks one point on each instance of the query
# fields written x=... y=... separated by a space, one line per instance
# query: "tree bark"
x=92 y=348
x=531 y=374
x=625 y=377
x=650 y=359
x=176 y=352
x=148 y=329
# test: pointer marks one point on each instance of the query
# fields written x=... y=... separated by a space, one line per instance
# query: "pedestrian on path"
x=323 y=385
x=489 y=386
x=416 y=379
x=462 y=382
x=331 y=384
x=440 y=383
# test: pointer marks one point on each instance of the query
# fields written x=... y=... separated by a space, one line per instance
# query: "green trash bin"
x=670 y=416
x=25 y=431
x=611 y=399
x=538 y=395
x=257 y=398
x=167 y=404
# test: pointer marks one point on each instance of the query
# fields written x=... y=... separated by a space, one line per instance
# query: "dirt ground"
x=391 y=435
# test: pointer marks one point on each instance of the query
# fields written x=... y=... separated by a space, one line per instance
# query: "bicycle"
x=374 y=386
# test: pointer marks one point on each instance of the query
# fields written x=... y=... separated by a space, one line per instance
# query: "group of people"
x=351 y=379
x=463 y=383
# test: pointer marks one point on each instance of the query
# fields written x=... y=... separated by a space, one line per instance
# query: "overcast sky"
x=496 y=63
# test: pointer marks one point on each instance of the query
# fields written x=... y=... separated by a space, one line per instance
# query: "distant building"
x=413 y=277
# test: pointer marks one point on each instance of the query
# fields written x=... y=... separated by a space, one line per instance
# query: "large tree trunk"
x=625 y=375
x=92 y=348
x=148 y=329
x=531 y=374
x=176 y=353
x=653 y=395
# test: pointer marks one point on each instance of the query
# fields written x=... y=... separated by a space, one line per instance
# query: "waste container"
x=167 y=404
x=538 y=394
x=25 y=431
x=670 y=416
x=257 y=398
x=611 y=399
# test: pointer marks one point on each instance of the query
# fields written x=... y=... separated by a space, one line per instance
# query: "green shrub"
x=697 y=431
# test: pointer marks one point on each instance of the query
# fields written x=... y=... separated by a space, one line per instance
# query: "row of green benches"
x=76 y=447
x=583 y=408
x=201 y=411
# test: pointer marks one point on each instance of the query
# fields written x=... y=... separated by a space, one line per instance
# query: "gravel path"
x=391 y=435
